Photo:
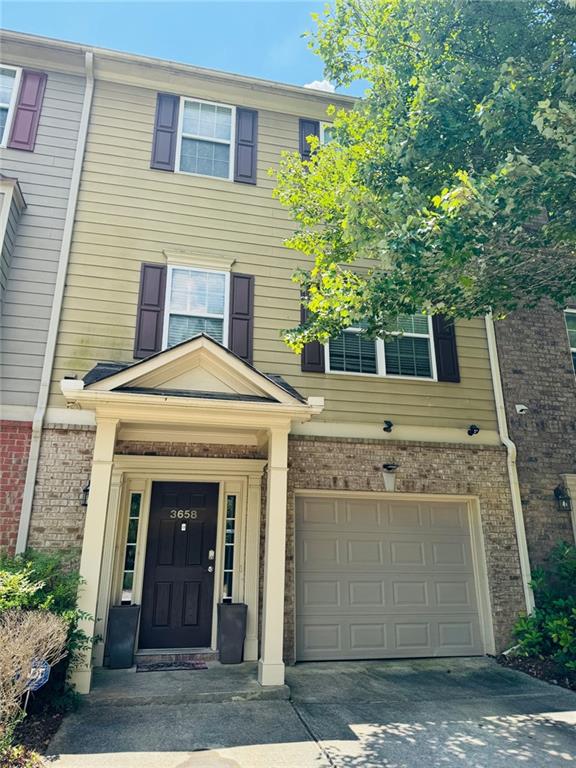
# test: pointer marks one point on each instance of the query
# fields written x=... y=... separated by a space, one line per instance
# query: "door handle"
x=210 y=569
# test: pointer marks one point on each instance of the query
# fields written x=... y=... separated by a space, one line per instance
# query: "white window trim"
x=225 y=318
x=12 y=105
x=381 y=358
x=232 y=142
x=572 y=349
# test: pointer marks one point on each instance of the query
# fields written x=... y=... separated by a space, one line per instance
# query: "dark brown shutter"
x=241 y=331
x=307 y=128
x=312 y=357
x=27 y=112
x=446 y=352
x=150 y=315
x=165 y=132
x=246 y=145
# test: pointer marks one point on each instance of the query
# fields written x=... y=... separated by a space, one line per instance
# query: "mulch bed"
x=543 y=669
x=36 y=730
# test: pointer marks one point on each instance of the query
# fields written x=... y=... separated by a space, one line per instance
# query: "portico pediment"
x=198 y=368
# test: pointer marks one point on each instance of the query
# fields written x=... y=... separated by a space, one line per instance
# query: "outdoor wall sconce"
x=389 y=474
x=388 y=426
x=85 y=494
x=473 y=429
x=563 y=500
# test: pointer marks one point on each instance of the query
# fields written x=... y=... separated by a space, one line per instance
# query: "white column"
x=251 y=569
x=107 y=568
x=270 y=665
x=93 y=542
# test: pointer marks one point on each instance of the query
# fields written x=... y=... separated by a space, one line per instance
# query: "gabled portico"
x=195 y=393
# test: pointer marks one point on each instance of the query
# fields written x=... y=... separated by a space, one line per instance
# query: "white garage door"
x=384 y=579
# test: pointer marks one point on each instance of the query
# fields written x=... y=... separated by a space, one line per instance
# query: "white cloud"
x=320 y=85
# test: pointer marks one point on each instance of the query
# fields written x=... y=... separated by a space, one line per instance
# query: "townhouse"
x=41 y=141
x=537 y=351
x=361 y=499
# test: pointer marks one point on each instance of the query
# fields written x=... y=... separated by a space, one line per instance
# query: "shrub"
x=47 y=582
x=21 y=757
x=26 y=638
x=550 y=630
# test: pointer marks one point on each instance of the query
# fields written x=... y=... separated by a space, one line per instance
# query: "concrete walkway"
x=421 y=714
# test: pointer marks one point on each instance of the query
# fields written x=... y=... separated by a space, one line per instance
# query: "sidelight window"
x=229 y=542
x=130 y=548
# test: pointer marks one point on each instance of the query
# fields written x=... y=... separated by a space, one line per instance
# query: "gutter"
x=49 y=353
x=511 y=461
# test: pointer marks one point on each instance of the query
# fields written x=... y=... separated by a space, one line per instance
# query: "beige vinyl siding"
x=44 y=177
x=9 y=238
x=128 y=213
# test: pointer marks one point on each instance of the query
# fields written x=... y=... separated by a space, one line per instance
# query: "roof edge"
x=191 y=69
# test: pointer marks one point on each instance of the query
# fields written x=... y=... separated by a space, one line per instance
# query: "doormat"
x=169 y=666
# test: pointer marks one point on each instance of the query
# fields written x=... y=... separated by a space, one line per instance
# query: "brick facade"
x=314 y=463
x=355 y=465
x=15 y=439
x=536 y=368
x=63 y=470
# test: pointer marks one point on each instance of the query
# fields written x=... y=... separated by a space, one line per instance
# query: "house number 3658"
x=184 y=514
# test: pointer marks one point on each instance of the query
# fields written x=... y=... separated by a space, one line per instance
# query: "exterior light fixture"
x=85 y=494
x=389 y=474
x=388 y=426
x=473 y=429
x=563 y=500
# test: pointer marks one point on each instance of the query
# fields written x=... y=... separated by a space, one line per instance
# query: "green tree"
x=451 y=186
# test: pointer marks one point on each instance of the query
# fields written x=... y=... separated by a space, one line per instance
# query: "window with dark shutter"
x=150 y=314
x=246 y=145
x=240 y=337
x=165 y=132
x=307 y=128
x=446 y=351
x=312 y=357
x=27 y=112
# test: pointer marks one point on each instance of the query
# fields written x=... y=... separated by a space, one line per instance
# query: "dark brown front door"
x=179 y=569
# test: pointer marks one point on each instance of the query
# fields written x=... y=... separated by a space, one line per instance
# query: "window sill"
x=390 y=377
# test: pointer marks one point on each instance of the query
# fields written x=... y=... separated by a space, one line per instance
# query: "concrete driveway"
x=420 y=714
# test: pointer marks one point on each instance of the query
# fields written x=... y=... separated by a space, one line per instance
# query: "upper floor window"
x=570 y=315
x=196 y=302
x=9 y=77
x=206 y=139
x=409 y=353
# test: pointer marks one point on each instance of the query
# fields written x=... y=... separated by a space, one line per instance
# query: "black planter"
x=122 y=626
x=231 y=632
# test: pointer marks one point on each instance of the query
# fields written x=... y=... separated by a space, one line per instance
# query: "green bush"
x=550 y=630
x=49 y=582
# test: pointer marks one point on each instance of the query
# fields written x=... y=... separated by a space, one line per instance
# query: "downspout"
x=511 y=460
x=46 y=376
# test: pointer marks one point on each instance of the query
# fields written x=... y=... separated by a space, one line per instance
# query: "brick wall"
x=314 y=463
x=537 y=371
x=14 y=448
x=63 y=470
x=355 y=465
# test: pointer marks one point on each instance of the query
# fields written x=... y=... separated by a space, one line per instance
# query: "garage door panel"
x=369 y=587
x=319 y=551
x=332 y=637
x=385 y=592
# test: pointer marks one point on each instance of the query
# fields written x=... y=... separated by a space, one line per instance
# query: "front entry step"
x=218 y=683
x=174 y=656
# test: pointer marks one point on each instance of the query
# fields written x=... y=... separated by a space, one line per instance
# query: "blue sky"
x=262 y=39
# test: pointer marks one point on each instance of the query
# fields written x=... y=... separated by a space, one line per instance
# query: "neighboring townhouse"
x=40 y=150
x=537 y=352
x=359 y=498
